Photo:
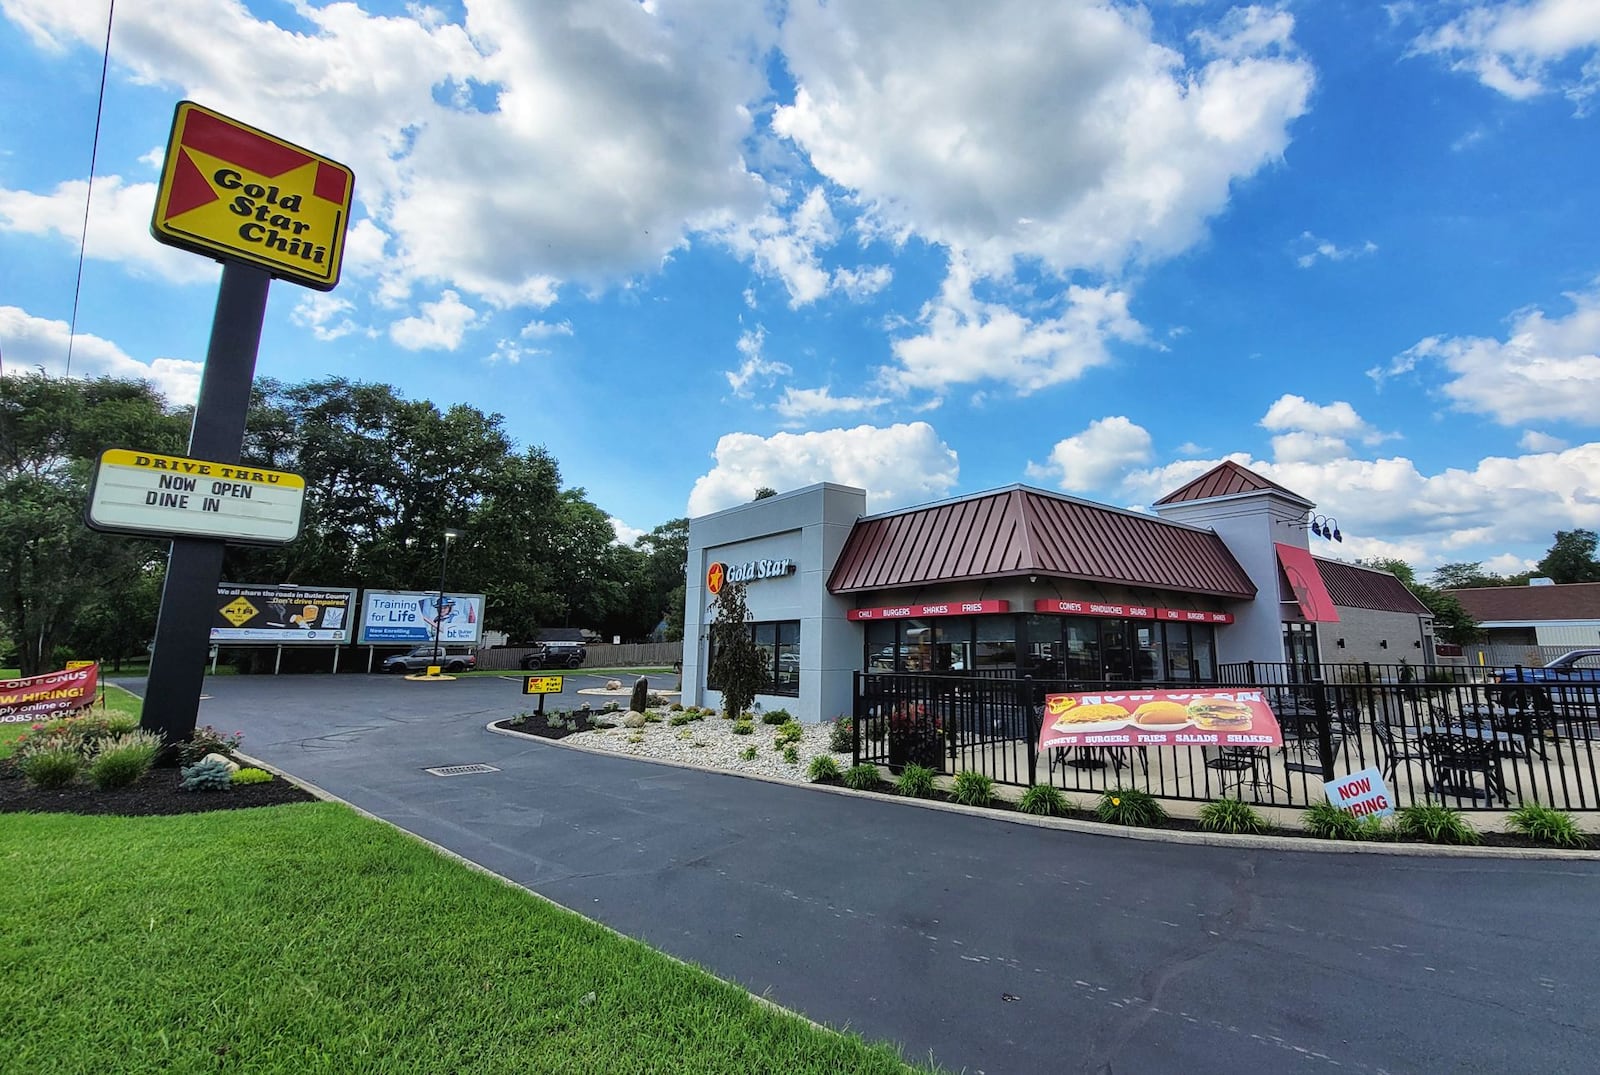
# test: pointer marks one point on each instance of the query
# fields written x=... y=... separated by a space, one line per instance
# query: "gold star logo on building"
x=714 y=578
x=238 y=611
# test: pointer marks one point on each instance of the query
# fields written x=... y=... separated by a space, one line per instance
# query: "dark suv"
x=449 y=658
x=554 y=655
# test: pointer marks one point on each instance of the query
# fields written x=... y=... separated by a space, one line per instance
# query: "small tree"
x=736 y=663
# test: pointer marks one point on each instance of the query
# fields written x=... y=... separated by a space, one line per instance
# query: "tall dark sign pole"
x=194 y=567
x=267 y=209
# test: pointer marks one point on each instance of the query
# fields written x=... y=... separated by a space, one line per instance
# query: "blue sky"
x=697 y=248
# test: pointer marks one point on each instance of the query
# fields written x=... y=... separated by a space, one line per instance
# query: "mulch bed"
x=157 y=792
x=536 y=724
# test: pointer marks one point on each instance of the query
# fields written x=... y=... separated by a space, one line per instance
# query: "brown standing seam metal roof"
x=1225 y=479
x=1021 y=531
x=1531 y=604
x=1351 y=586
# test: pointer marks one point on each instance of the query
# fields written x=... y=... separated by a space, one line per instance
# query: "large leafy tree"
x=1571 y=558
x=62 y=584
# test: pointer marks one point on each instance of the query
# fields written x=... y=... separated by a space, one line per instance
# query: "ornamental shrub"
x=789 y=732
x=823 y=768
x=1232 y=816
x=748 y=753
x=121 y=760
x=207 y=740
x=743 y=727
x=1543 y=825
x=1327 y=822
x=251 y=775
x=1045 y=800
x=1130 y=806
x=51 y=765
x=863 y=777
x=213 y=775
x=840 y=736
x=1434 y=825
x=791 y=754
x=972 y=789
x=916 y=782
x=775 y=716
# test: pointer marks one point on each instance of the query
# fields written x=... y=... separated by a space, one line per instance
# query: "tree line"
x=385 y=476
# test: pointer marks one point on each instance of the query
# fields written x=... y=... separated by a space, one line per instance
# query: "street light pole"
x=450 y=534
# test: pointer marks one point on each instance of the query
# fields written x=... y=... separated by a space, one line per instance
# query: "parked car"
x=449 y=658
x=1572 y=679
x=554 y=655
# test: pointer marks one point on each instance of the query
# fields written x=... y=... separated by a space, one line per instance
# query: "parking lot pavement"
x=994 y=947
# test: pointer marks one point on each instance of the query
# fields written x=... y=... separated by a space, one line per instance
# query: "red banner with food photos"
x=1192 y=718
x=49 y=695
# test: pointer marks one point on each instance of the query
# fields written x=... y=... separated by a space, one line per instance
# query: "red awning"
x=1306 y=581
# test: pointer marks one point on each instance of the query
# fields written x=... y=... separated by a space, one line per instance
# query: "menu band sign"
x=943 y=608
x=282 y=615
x=158 y=495
x=1130 y=612
x=49 y=695
x=1159 y=719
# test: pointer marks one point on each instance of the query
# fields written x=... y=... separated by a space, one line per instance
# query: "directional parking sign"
x=541 y=684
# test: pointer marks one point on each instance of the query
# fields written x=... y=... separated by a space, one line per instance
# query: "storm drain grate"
x=461 y=770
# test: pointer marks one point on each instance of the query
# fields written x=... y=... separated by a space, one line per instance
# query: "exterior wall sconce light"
x=1383 y=643
x=1340 y=643
x=1417 y=644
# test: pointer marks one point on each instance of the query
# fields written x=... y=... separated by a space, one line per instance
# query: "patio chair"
x=1234 y=763
x=1453 y=759
x=1399 y=744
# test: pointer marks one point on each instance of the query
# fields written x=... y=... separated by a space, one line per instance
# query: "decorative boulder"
x=633 y=719
x=640 y=701
x=233 y=766
x=613 y=684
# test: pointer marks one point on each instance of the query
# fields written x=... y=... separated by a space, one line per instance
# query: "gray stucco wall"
x=1363 y=631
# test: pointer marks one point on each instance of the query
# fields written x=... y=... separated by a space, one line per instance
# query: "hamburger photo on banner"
x=1217 y=714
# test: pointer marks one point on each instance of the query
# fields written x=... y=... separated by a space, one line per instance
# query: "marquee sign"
x=945 y=608
x=172 y=496
x=231 y=191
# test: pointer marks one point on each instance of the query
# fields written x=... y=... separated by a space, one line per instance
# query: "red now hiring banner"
x=1197 y=718
x=49 y=695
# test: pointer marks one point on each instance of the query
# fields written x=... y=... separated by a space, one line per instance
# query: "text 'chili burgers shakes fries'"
x=1214 y=717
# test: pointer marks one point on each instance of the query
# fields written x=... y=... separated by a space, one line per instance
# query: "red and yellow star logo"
x=714 y=576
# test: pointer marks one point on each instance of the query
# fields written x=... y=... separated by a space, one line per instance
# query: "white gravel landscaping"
x=710 y=744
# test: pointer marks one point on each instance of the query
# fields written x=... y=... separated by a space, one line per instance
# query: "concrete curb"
x=477 y=867
x=1302 y=844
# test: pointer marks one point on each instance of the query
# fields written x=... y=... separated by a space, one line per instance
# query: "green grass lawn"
x=308 y=939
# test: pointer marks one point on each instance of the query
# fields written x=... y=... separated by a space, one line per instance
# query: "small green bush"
x=1434 y=825
x=972 y=789
x=207 y=740
x=676 y=707
x=743 y=727
x=120 y=761
x=52 y=765
x=1232 y=816
x=121 y=723
x=252 y=775
x=652 y=718
x=1045 y=800
x=213 y=775
x=1130 y=806
x=789 y=732
x=1544 y=825
x=863 y=777
x=1327 y=822
x=916 y=782
x=823 y=767
x=791 y=754
x=840 y=736
x=678 y=720
x=775 y=716
x=748 y=753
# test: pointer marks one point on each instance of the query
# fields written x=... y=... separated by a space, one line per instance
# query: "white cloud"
x=1088 y=146
x=1546 y=369
x=799 y=404
x=862 y=283
x=754 y=366
x=1312 y=248
x=1534 y=441
x=966 y=339
x=1521 y=50
x=897 y=465
x=540 y=330
x=1097 y=458
x=37 y=342
x=119 y=226
x=441 y=325
x=327 y=316
x=626 y=535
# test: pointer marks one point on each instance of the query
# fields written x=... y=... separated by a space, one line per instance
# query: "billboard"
x=403 y=617
x=281 y=615
x=1219 y=716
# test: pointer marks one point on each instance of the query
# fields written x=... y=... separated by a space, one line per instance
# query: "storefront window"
x=953 y=651
x=916 y=647
x=788 y=676
x=1045 y=657
x=1148 y=666
x=1116 y=657
x=779 y=644
x=1203 y=641
x=1180 y=659
x=996 y=645
x=882 y=640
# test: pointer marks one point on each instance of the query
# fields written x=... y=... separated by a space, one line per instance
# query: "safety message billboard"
x=402 y=617
x=229 y=190
x=282 y=615
x=49 y=695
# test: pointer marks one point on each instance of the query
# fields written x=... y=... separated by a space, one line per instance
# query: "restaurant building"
x=1022 y=581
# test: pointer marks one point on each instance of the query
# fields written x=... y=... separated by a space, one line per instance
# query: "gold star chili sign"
x=714 y=576
x=231 y=191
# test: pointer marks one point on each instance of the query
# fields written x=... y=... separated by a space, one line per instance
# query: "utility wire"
x=94 y=153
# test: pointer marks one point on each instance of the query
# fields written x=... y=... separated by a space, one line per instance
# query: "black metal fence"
x=1481 y=739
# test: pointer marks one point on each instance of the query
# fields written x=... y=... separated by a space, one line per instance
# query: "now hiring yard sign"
x=1363 y=794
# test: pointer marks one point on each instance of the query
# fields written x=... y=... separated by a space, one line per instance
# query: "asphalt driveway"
x=990 y=946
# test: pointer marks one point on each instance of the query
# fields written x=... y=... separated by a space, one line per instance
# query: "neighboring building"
x=1561 y=617
x=1027 y=582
